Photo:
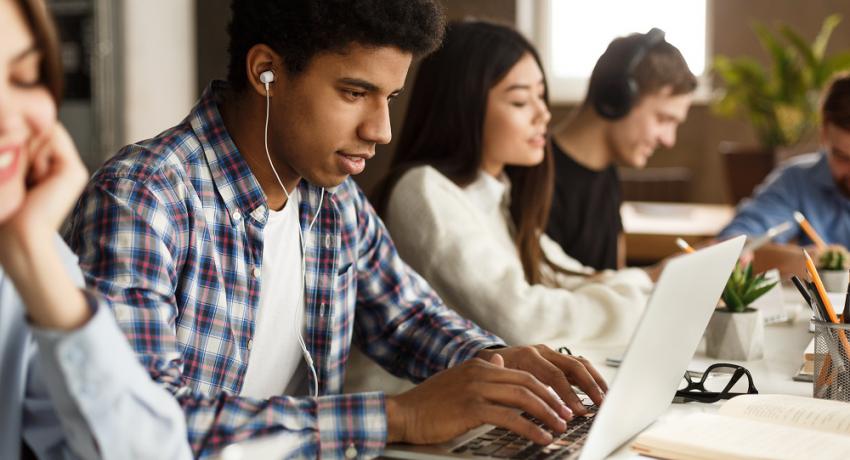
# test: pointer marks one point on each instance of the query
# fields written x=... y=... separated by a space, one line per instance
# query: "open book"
x=754 y=427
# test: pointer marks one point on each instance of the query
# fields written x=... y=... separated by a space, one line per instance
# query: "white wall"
x=160 y=65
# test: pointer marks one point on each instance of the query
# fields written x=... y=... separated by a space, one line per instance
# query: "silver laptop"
x=661 y=349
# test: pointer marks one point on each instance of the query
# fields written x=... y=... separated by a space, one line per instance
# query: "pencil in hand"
x=683 y=245
x=809 y=231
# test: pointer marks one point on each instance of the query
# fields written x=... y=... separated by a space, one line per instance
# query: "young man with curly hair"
x=250 y=260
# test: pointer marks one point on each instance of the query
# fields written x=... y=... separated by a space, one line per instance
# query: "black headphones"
x=617 y=91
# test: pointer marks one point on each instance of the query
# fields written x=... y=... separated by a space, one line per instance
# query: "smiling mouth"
x=352 y=164
x=356 y=156
x=8 y=161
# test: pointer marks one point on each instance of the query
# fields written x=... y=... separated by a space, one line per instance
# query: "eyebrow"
x=673 y=117
x=522 y=86
x=365 y=85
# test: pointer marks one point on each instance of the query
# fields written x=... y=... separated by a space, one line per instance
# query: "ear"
x=823 y=133
x=259 y=59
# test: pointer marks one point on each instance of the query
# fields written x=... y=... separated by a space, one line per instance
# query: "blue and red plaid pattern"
x=171 y=230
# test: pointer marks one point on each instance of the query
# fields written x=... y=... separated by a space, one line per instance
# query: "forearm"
x=106 y=401
x=52 y=299
x=757 y=215
x=328 y=426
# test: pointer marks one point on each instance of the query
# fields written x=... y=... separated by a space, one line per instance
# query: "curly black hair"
x=299 y=29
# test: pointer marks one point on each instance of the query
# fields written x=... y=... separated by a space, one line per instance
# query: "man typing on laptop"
x=660 y=350
x=248 y=259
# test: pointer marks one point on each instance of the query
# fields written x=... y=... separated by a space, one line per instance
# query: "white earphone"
x=265 y=78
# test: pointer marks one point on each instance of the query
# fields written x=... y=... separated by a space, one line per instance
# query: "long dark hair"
x=47 y=41
x=444 y=126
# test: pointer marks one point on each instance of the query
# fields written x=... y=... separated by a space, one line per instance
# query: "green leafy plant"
x=834 y=258
x=782 y=102
x=743 y=288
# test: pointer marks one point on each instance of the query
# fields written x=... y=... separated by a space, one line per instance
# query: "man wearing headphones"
x=249 y=260
x=639 y=92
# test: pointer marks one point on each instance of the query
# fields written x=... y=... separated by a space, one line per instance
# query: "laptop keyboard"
x=502 y=443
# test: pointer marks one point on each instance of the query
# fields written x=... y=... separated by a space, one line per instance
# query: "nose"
x=543 y=113
x=668 y=137
x=376 y=128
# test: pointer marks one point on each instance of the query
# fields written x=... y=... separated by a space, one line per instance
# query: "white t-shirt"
x=276 y=365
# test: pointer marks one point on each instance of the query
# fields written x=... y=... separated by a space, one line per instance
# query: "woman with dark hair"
x=469 y=193
x=70 y=385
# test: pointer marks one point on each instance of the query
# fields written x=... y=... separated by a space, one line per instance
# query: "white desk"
x=784 y=346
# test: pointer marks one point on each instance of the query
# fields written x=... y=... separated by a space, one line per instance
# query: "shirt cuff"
x=470 y=349
x=352 y=425
x=90 y=360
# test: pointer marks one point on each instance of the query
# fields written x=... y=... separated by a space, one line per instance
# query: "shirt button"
x=250 y=344
x=327 y=241
x=256 y=272
x=237 y=216
x=351 y=451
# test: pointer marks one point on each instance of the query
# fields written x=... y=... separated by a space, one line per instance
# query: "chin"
x=10 y=204
x=327 y=180
x=640 y=160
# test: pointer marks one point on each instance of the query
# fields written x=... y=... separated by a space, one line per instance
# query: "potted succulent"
x=780 y=100
x=833 y=263
x=736 y=331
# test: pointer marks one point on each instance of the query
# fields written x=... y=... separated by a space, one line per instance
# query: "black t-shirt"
x=585 y=217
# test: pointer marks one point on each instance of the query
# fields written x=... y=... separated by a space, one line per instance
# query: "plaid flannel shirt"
x=171 y=229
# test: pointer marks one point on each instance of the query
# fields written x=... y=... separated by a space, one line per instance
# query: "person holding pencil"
x=811 y=191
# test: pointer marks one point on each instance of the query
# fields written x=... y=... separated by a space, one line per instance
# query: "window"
x=572 y=34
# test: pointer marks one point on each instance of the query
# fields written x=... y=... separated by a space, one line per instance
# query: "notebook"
x=755 y=427
x=672 y=325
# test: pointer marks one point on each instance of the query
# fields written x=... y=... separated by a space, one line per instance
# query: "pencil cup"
x=832 y=366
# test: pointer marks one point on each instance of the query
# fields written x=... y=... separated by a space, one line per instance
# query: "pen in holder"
x=832 y=365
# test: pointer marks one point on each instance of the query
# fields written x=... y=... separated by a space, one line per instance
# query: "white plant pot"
x=834 y=280
x=735 y=336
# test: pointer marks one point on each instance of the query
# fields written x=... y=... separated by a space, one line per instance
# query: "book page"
x=799 y=411
x=710 y=436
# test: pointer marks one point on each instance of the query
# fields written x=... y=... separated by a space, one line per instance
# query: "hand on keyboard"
x=558 y=370
x=469 y=395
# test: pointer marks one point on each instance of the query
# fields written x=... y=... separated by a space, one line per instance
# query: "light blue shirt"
x=803 y=184
x=80 y=394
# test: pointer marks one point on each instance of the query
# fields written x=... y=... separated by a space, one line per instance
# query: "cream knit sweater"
x=459 y=239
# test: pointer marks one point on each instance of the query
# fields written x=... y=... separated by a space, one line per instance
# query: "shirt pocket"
x=345 y=294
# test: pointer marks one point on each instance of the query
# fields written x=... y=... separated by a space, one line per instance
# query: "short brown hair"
x=662 y=66
x=835 y=107
x=47 y=42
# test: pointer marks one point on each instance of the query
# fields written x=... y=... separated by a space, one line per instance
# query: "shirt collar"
x=488 y=192
x=822 y=174
x=233 y=178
